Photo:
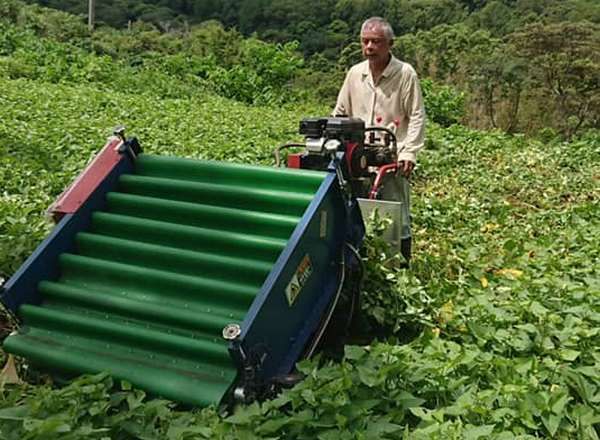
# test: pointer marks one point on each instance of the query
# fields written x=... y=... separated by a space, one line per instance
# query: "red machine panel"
x=294 y=160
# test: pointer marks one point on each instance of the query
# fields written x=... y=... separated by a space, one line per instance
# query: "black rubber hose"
x=356 y=292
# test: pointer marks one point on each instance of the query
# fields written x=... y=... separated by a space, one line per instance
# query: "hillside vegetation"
x=522 y=65
x=493 y=333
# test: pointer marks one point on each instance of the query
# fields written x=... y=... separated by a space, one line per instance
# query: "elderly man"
x=384 y=91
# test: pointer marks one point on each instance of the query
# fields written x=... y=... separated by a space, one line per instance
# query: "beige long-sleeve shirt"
x=395 y=102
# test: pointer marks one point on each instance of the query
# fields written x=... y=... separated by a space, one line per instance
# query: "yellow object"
x=511 y=273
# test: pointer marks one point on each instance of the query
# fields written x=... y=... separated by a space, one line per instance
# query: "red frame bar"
x=381 y=172
x=88 y=180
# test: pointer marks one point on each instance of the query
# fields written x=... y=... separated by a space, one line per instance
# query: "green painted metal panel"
x=238 y=196
x=181 y=251
x=89 y=272
x=120 y=303
x=224 y=173
x=194 y=214
x=173 y=259
x=188 y=237
x=118 y=330
x=163 y=375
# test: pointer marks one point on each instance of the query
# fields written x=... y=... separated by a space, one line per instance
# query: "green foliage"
x=444 y=105
x=498 y=318
x=211 y=39
x=409 y=16
x=262 y=73
x=9 y=10
x=503 y=293
x=92 y=407
x=9 y=37
x=327 y=26
x=50 y=23
x=441 y=52
x=250 y=70
x=392 y=299
x=496 y=17
x=492 y=53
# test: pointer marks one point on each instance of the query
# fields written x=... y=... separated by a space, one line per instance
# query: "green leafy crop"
x=492 y=333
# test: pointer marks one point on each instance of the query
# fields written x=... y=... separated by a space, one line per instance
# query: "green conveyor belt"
x=181 y=251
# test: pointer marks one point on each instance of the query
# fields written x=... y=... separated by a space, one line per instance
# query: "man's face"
x=375 y=46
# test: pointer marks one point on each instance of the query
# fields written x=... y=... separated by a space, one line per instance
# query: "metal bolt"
x=239 y=394
x=231 y=331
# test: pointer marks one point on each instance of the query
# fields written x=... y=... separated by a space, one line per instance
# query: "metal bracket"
x=130 y=146
x=250 y=386
x=119 y=131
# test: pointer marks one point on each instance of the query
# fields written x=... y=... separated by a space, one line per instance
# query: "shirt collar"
x=393 y=66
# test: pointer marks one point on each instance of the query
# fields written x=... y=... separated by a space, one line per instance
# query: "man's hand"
x=405 y=167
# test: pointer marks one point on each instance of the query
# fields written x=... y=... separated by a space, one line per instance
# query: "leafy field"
x=493 y=333
x=49 y=132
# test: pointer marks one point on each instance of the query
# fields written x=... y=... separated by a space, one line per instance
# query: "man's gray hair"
x=378 y=22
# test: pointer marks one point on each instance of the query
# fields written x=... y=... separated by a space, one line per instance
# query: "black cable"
x=325 y=322
x=356 y=292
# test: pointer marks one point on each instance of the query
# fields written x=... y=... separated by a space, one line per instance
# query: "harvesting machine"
x=203 y=282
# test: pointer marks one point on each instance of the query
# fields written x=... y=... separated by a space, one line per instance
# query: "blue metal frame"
x=43 y=264
x=275 y=332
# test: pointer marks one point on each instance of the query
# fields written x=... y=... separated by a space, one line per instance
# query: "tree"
x=565 y=64
x=210 y=38
x=499 y=78
x=495 y=17
x=473 y=5
x=407 y=16
x=251 y=15
x=354 y=12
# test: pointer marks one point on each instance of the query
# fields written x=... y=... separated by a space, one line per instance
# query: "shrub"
x=443 y=104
